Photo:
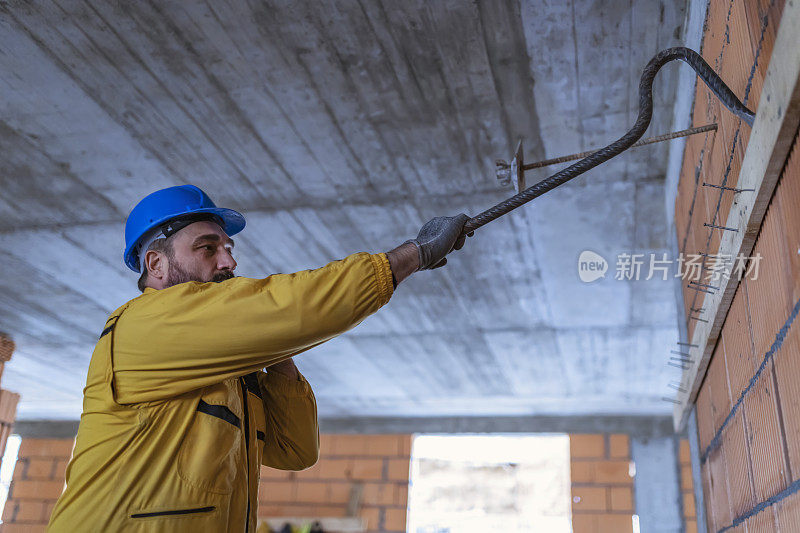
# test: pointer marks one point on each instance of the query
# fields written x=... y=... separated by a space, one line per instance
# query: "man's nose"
x=226 y=261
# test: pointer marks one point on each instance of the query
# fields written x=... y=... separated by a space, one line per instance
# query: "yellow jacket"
x=178 y=414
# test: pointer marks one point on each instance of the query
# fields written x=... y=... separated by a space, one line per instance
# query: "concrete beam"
x=639 y=426
x=45 y=429
x=636 y=426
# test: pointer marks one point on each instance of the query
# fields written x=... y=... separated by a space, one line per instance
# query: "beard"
x=178 y=274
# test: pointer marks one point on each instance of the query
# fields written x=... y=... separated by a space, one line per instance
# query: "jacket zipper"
x=175 y=512
x=246 y=449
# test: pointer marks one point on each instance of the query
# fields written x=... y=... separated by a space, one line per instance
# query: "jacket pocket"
x=211 y=450
x=173 y=512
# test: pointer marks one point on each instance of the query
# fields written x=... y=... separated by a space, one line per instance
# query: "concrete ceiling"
x=339 y=127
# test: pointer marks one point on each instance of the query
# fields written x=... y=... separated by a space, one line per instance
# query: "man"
x=178 y=413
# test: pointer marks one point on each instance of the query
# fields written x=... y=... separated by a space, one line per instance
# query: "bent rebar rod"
x=703 y=70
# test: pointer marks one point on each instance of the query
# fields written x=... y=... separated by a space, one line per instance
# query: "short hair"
x=163 y=245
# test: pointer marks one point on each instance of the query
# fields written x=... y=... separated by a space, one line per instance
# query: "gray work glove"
x=437 y=238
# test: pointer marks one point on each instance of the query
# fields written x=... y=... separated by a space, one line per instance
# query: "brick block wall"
x=602 y=488
x=749 y=401
x=687 y=487
x=377 y=466
x=36 y=485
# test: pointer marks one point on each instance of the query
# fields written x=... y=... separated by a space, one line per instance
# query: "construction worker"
x=178 y=412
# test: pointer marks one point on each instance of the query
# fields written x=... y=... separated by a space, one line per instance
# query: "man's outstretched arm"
x=207 y=332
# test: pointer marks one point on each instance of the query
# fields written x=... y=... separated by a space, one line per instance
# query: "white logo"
x=591 y=266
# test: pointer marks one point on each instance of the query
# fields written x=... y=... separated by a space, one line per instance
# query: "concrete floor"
x=338 y=128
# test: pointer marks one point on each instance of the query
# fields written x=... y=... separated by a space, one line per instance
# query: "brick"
x=740 y=358
x=686 y=478
x=46 y=447
x=10 y=510
x=29 y=511
x=60 y=469
x=717 y=381
x=401 y=495
x=619 y=446
x=349 y=445
x=787 y=371
x=765 y=437
x=367 y=469
x=621 y=499
x=371 y=517
x=405 y=445
x=614 y=523
x=705 y=424
x=277 y=491
x=370 y=445
x=763 y=522
x=36 y=490
x=339 y=492
x=24 y=528
x=787 y=193
x=313 y=492
x=589 y=499
x=378 y=494
x=787 y=512
x=768 y=296
x=582 y=471
x=398 y=469
x=48 y=510
x=335 y=468
x=326 y=445
x=737 y=466
x=612 y=471
x=395 y=519
x=301 y=510
x=383 y=445
x=587 y=446
x=271 y=473
x=39 y=468
x=684 y=452
x=705 y=479
x=718 y=489
x=689 y=510
x=584 y=523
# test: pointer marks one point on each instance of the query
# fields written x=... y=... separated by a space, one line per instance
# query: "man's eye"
x=209 y=247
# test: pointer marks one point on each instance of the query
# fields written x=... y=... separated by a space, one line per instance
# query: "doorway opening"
x=479 y=483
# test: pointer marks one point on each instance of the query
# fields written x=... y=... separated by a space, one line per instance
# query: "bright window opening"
x=479 y=483
x=9 y=462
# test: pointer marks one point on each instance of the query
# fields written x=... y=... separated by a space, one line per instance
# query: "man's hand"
x=437 y=238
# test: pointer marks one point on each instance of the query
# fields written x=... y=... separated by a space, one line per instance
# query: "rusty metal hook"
x=703 y=70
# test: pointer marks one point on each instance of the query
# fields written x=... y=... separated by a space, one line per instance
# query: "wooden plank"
x=771 y=138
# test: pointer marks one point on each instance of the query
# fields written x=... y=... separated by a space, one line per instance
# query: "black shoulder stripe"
x=260 y=436
x=220 y=411
x=251 y=381
x=108 y=330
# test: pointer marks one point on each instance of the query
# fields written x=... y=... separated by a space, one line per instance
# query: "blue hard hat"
x=160 y=207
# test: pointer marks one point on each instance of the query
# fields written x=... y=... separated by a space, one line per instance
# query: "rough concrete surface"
x=338 y=127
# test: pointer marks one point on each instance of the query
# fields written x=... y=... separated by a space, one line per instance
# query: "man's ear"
x=156 y=265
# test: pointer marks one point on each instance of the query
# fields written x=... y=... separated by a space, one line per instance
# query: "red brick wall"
x=37 y=483
x=687 y=487
x=602 y=489
x=378 y=463
x=748 y=420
